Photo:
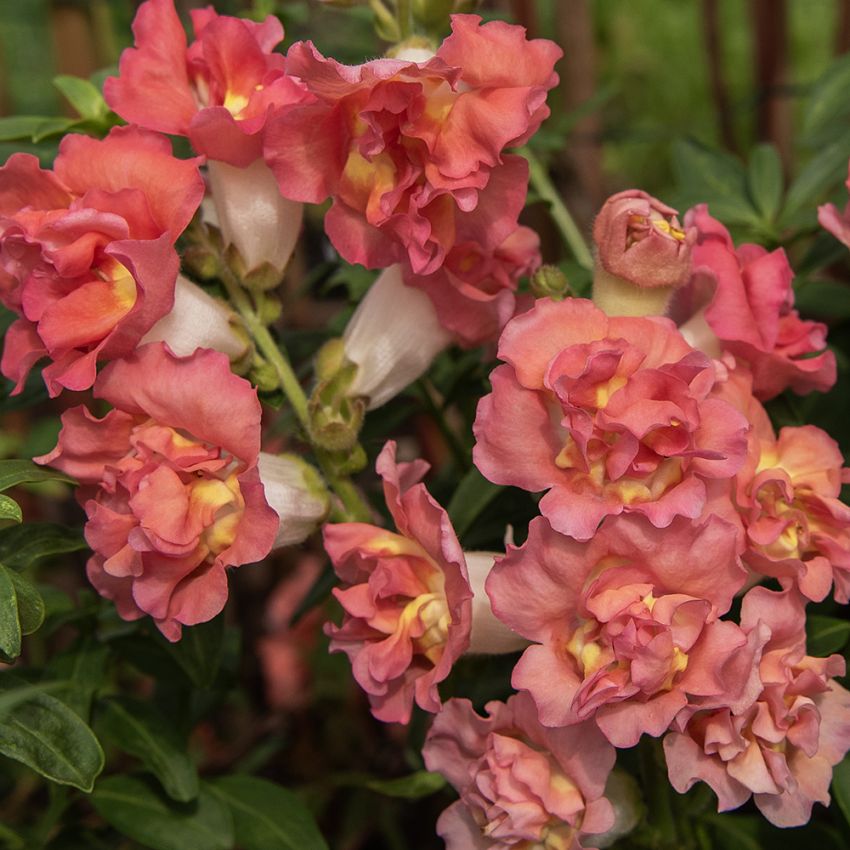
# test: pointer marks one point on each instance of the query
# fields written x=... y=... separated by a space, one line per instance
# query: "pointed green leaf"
x=21 y=545
x=30 y=603
x=473 y=494
x=826 y=635
x=13 y=472
x=139 y=729
x=266 y=815
x=828 y=104
x=199 y=650
x=764 y=180
x=46 y=735
x=82 y=95
x=827 y=169
x=138 y=810
x=10 y=626
x=420 y=784
x=82 y=667
x=34 y=128
x=10 y=509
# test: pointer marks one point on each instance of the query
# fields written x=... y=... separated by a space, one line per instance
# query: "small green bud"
x=433 y=13
x=262 y=278
x=330 y=359
x=269 y=308
x=550 y=282
x=264 y=376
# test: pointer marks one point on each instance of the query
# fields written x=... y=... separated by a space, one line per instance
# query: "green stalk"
x=404 y=17
x=355 y=508
x=544 y=187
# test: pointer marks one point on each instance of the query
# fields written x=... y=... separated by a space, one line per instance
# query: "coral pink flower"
x=626 y=624
x=218 y=91
x=473 y=292
x=741 y=301
x=797 y=528
x=780 y=748
x=412 y=153
x=608 y=414
x=170 y=484
x=520 y=784
x=284 y=652
x=406 y=596
x=87 y=253
x=838 y=224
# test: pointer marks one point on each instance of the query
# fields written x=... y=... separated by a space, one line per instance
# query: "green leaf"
x=10 y=509
x=82 y=667
x=473 y=494
x=828 y=104
x=32 y=127
x=22 y=545
x=825 y=170
x=14 y=472
x=10 y=840
x=841 y=786
x=824 y=298
x=764 y=180
x=82 y=95
x=138 y=810
x=139 y=729
x=420 y=784
x=10 y=626
x=30 y=603
x=46 y=735
x=825 y=635
x=735 y=831
x=198 y=652
x=266 y=815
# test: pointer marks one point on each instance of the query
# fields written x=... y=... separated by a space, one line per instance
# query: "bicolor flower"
x=740 y=300
x=170 y=484
x=626 y=626
x=610 y=415
x=781 y=747
x=87 y=255
x=405 y=596
x=412 y=153
x=520 y=784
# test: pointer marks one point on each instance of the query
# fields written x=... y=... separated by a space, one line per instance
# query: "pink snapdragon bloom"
x=217 y=91
x=838 y=224
x=626 y=625
x=87 y=255
x=520 y=784
x=610 y=415
x=797 y=529
x=412 y=154
x=406 y=598
x=741 y=301
x=169 y=484
x=639 y=239
x=780 y=748
x=474 y=291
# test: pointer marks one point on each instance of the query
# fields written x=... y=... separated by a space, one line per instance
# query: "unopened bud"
x=336 y=418
x=642 y=254
x=296 y=492
x=414 y=49
x=264 y=376
x=489 y=636
x=550 y=282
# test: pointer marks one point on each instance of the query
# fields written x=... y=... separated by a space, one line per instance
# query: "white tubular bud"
x=489 y=636
x=699 y=334
x=393 y=337
x=197 y=320
x=253 y=215
x=296 y=493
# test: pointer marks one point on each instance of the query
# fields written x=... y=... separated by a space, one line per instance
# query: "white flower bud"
x=489 y=636
x=253 y=215
x=393 y=337
x=296 y=493
x=197 y=320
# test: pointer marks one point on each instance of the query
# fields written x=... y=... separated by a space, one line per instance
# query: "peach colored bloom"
x=412 y=154
x=780 y=747
x=626 y=626
x=740 y=300
x=405 y=596
x=520 y=784
x=87 y=255
x=169 y=484
x=610 y=415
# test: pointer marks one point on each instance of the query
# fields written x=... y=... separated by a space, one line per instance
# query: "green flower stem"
x=403 y=14
x=544 y=187
x=355 y=507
